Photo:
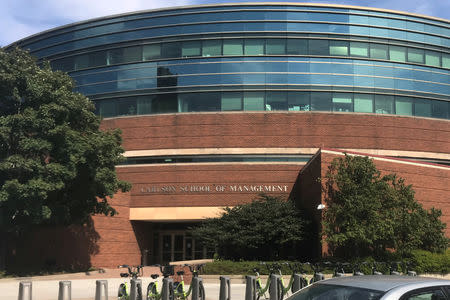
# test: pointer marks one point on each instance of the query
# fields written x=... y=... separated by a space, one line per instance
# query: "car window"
x=335 y=292
x=436 y=294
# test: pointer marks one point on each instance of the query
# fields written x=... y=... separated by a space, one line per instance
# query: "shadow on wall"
x=47 y=248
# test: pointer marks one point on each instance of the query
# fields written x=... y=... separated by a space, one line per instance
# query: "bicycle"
x=124 y=289
x=260 y=290
x=282 y=289
x=317 y=276
x=178 y=287
x=153 y=292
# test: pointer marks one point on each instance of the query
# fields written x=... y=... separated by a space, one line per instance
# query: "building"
x=218 y=103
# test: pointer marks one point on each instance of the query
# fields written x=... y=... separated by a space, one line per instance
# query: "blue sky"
x=21 y=18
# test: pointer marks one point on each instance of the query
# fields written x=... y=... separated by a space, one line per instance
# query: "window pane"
x=97 y=59
x=403 y=106
x=64 y=64
x=446 y=61
x=233 y=47
x=415 y=55
x=363 y=103
x=212 y=48
x=439 y=109
x=231 y=101
x=276 y=46
x=339 y=48
x=397 y=53
x=151 y=51
x=318 y=47
x=422 y=108
x=384 y=104
x=191 y=48
x=171 y=50
x=166 y=103
x=126 y=106
x=144 y=105
x=321 y=101
x=379 y=51
x=297 y=47
x=432 y=59
x=107 y=108
x=254 y=47
x=298 y=101
x=81 y=61
x=342 y=102
x=199 y=102
x=276 y=101
x=254 y=101
x=359 y=49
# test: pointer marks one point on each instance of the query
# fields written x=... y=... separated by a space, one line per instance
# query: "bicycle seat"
x=180 y=273
x=123 y=274
x=154 y=276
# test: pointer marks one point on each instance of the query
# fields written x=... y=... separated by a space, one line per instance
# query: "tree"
x=266 y=228
x=368 y=214
x=56 y=166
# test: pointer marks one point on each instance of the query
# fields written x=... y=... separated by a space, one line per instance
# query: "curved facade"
x=218 y=103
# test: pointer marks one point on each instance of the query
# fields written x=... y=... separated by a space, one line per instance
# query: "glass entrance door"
x=178 y=246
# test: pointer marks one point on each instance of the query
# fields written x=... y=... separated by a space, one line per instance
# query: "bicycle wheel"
x=122 y=293
x=201 y=292
x=151 y=291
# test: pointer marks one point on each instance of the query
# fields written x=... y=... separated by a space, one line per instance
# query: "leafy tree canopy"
x=266 y=228
x=56 y=166
x=371 y=214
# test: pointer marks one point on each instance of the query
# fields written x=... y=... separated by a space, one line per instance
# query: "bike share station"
x=273 y=289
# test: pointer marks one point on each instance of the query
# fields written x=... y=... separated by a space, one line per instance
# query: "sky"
x=22 y=18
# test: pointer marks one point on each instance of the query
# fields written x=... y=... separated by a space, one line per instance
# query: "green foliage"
x=428 y=262
x=368 y=214
x=266 y=228
x=229 y=267
x=56 y=166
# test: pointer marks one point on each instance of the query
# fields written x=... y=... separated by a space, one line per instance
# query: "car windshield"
x=335 y=292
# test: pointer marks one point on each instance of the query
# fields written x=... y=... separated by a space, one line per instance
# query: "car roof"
x=384 y=282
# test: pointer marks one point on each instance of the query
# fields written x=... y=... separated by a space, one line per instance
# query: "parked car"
x=376 y=287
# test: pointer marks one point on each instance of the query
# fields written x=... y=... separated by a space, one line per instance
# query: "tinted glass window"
x=276 y=46
x=126 y=106
x=403 y=106
x=231 y=101
x=81 y=61
x=200 y=102
x=435 y=294
x=167 y=103
x=212 y=48
x=318 y=47
x=191 y=48
x=254 y=101
x=446 y=61
x=439 y=109
x=339 y=48
x=342 y=102
x=297 y=47
x=378 y=51
x=397 y=53
x=124 y=55
x=254 y=47
x=171 y=50
x=384 y=104
x=416 y=55
x=359 y=49
x=422 y=108
x=299 y=101
x=276 y=101
x=151 y=51
x=363 y=103
x=97 y=59
x=233 y=47
x=432 y=59
x=144 y=104
x=321 y=101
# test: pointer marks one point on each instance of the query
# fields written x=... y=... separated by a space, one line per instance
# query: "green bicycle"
x=124 y=289
x=179 y=291
x=153 y=292
x=260 y=290
x=284 y=290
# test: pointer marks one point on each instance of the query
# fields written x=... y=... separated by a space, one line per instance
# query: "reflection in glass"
x=144 y=105
x=276 y=101
x=384 y=104
x=342 y=102
x=276 y=46
x=403 y=106
x=191 y=48
x=253 y=100
x=339 y=48
x=359 y=49
x=363 y=103
x=199 y=102
x=254 y=47
x=422 y=108
x=171 y=50
x=212 y=48
x=233 y=47
x=231 y=101
x=397 y=53
x=124 y=55
x=446 y=61
x=107 y=108
x=439 y=109
x=378 y=51
x=126 y=106
x=151 y=51
x=432 y=59
x=298 y=101
x=318 y=47
x=297 y=47
x=415 y=55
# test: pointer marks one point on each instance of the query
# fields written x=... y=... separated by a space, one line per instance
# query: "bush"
x=427 y=262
